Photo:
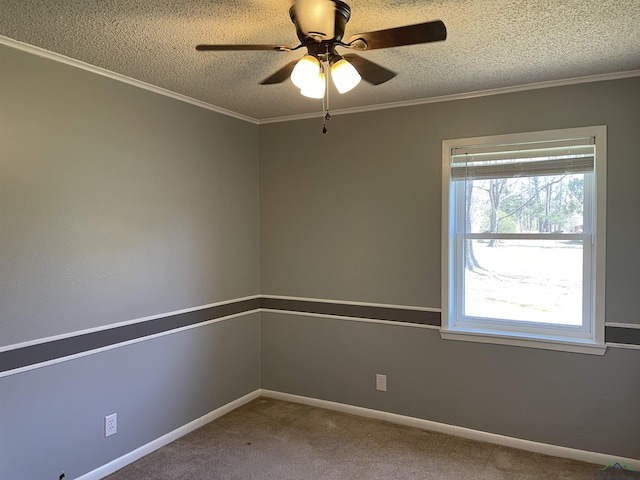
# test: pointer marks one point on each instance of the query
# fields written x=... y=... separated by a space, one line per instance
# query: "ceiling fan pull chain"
x=324 y=122
x=325 y=108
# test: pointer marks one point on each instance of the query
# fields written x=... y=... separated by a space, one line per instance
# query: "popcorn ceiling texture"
x=491 y=44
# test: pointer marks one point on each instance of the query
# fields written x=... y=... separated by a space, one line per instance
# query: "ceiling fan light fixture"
x=320 y=26
x=345 y=76
x=306 y=71
x=316 y=88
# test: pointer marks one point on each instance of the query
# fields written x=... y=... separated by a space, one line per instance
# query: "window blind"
x=523 y=160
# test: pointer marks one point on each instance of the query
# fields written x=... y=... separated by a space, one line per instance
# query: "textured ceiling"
x=491 y=44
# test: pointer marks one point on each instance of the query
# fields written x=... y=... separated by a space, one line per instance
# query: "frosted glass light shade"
x=344 y=75
x=316 y=88
x=306 y=71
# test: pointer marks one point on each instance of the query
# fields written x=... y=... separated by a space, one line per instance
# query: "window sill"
x=546 y=343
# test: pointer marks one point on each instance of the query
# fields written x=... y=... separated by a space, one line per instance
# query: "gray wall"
x=356 y=216
x=52 y=418
x=112 y=192
x=117 y=203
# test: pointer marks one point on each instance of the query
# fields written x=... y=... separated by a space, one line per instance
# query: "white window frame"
x=589 y=339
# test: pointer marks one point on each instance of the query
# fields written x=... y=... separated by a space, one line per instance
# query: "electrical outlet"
x=381 y=382
x=110 y=424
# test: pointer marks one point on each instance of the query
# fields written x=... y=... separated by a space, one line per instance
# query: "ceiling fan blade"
x=281 y=75
x=224 y=48
x=395 y=37
x=369 y=71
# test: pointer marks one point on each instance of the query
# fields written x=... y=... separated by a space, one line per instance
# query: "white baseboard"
x=528 y=445
x=138 y=453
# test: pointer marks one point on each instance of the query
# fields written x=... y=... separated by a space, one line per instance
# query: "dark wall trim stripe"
x=420 y=317
x=56 y=349
x=628 y=336
x=45 y=352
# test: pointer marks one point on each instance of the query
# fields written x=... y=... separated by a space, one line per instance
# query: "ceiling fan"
x=320 y=28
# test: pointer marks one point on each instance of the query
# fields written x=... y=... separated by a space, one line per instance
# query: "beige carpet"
x=272 y=439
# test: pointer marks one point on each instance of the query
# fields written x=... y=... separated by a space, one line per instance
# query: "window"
x=523 y=239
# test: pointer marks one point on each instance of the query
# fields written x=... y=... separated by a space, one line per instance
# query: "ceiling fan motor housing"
x=319 y=21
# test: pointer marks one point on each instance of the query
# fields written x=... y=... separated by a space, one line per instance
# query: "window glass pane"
x=542 y=204
x=524 y=280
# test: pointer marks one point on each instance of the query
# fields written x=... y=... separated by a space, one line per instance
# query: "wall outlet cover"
x=110 y=424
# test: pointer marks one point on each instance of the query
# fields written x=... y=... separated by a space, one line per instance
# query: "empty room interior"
x=177 y=240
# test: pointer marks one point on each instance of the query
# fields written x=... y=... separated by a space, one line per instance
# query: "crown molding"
x=41 y=52
x=464 y=96
x=57 y=57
